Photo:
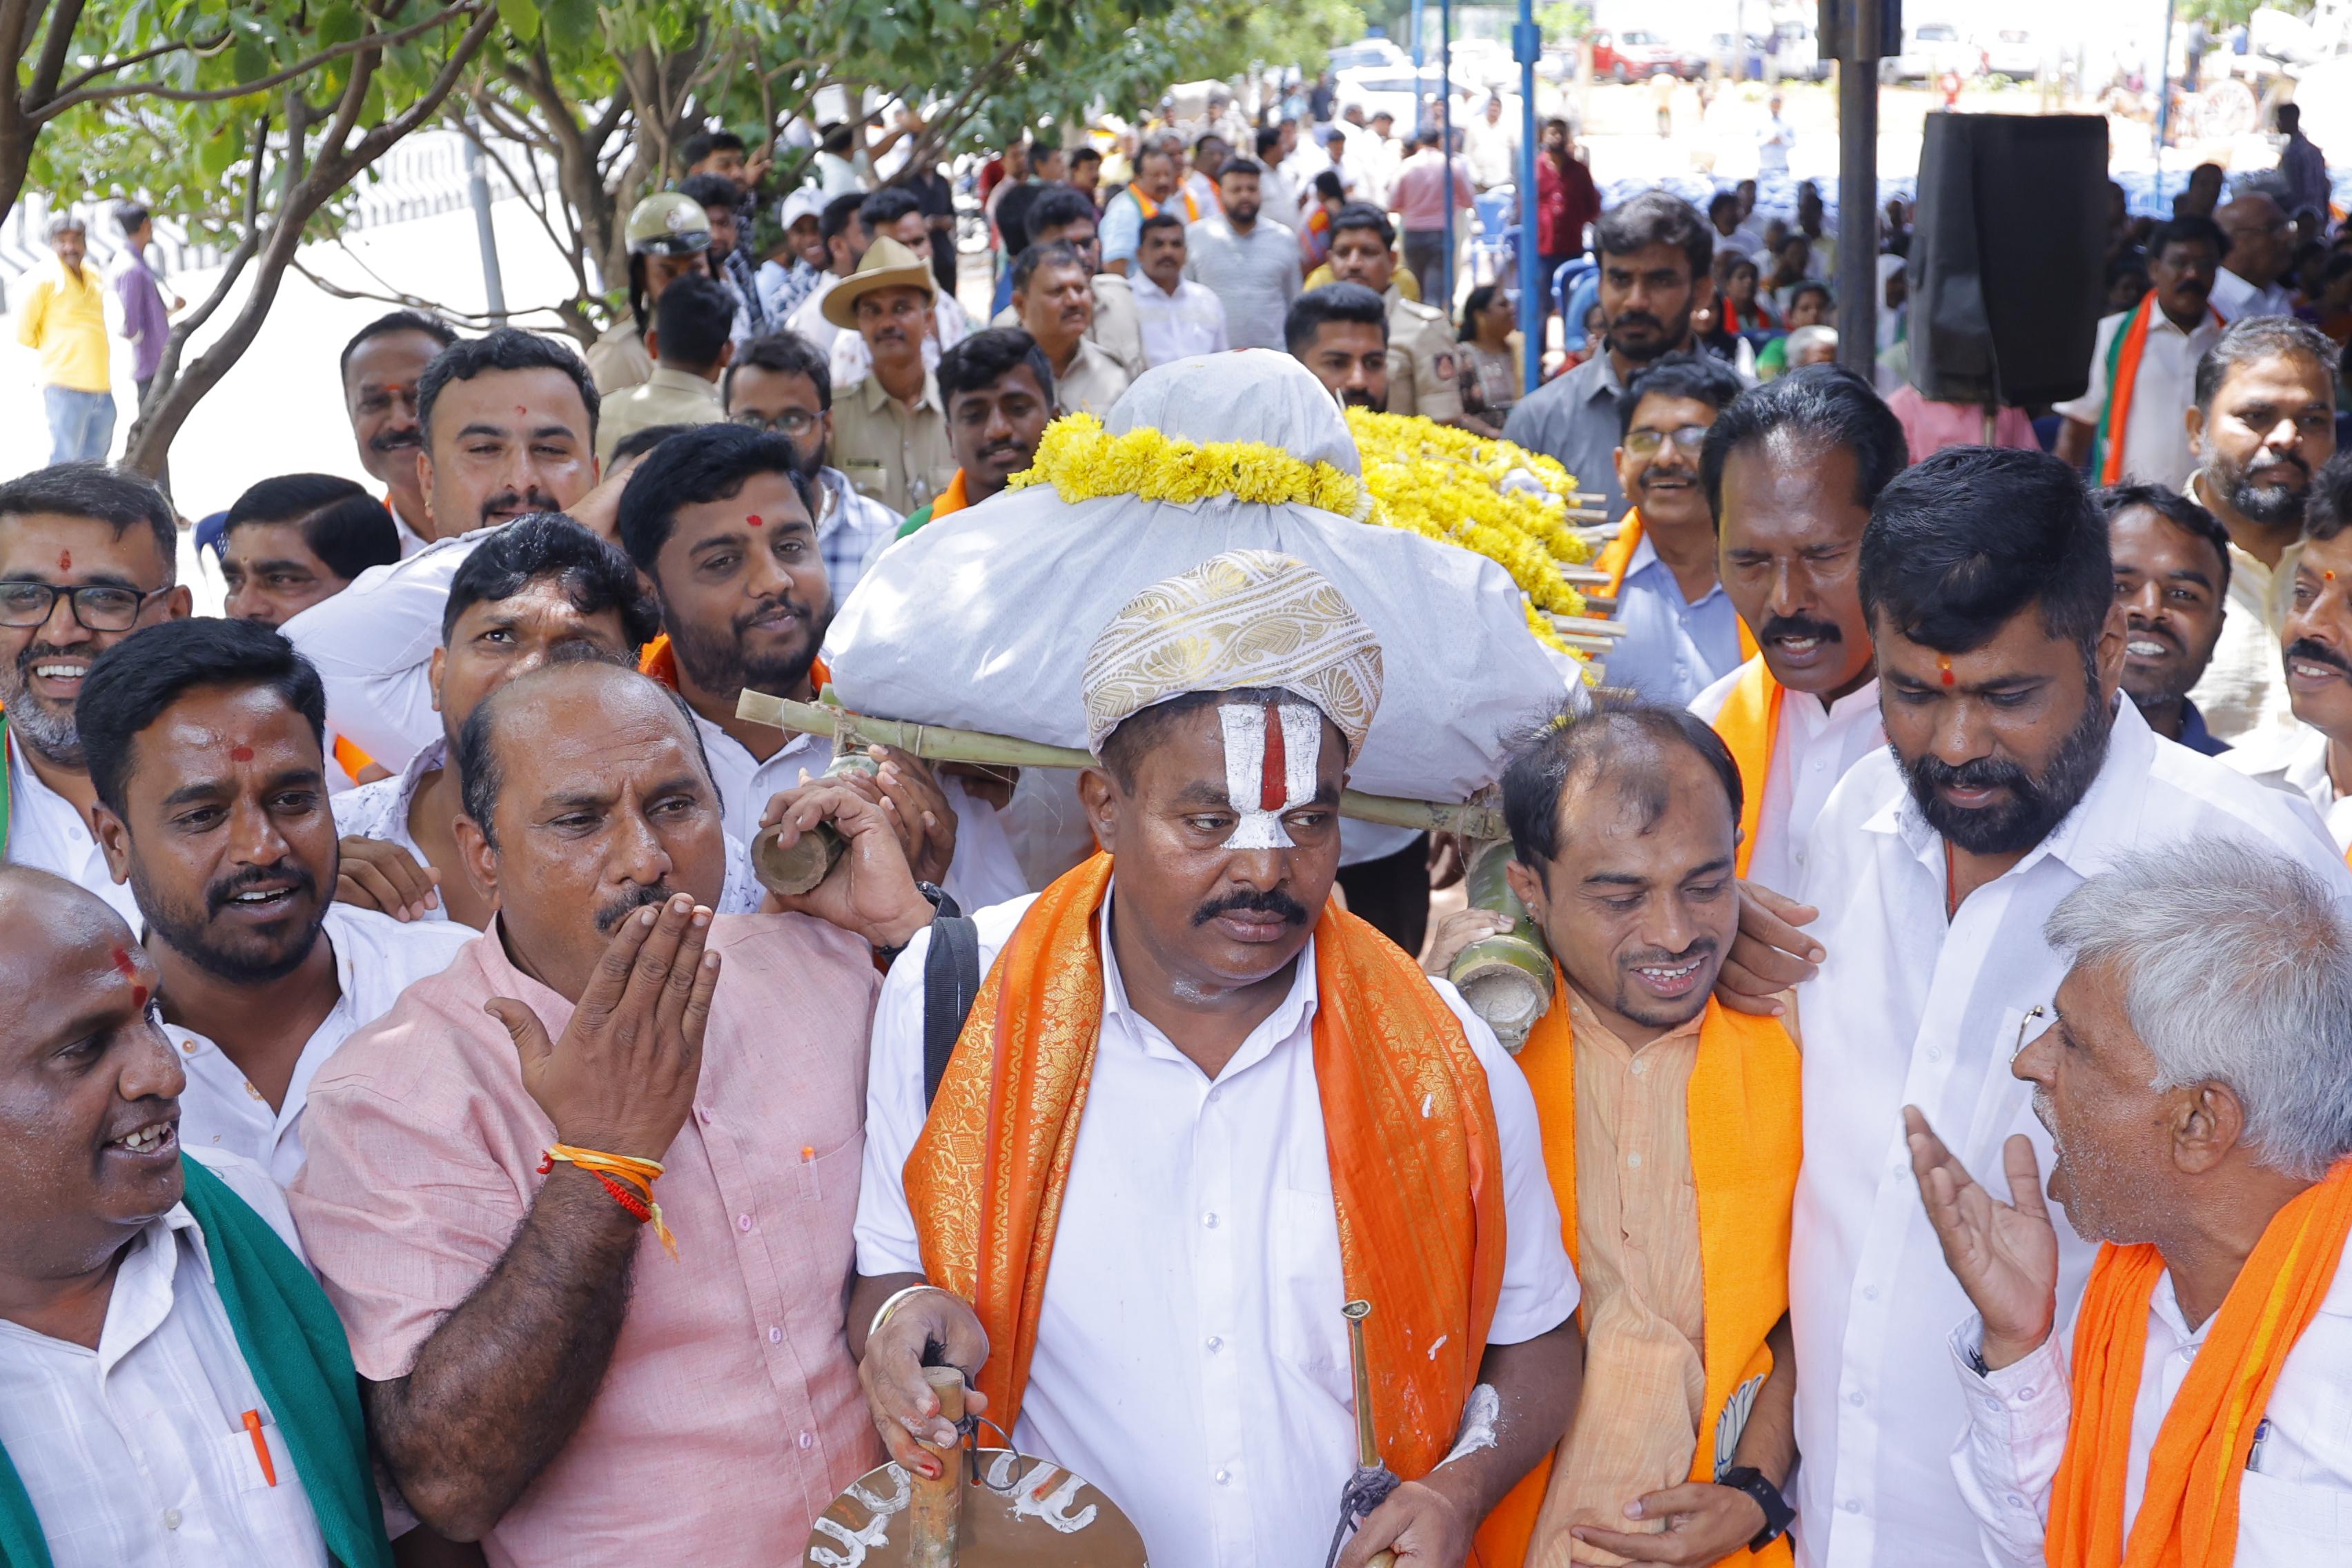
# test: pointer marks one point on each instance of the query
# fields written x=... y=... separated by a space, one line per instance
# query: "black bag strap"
x=951 y=981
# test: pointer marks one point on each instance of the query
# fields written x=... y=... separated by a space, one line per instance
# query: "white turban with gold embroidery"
x=1244 y=618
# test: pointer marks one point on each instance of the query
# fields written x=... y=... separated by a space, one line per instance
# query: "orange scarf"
x=2122 y=379
x=2189 y=1509
x=659 y=660
x=1618 y=555
x=1151 y=209
x=1416 y=1163
x=1744 y=1136
x=1750 y=723
x=955 y=498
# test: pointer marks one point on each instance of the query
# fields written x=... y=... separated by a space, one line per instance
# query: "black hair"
x=986 y=357
x=2329 y=512
x=1328 y=187
x=595 y=575
x=1154 y=150
x=480 y=776
x=129 y=216
x=640 y=441
x=1205 y=137
x=887 y=205
x=1620 y=735
x=834 y=138
x=2256 y=338
x=344 y=526
x=833 y=221
x=1331 y=303
x=1060 y=253
x=785 y=353
x=1480 y=298
x=1270 y=137
x=703 y=143
x=1012 y=216
x=2184 y=514
x=2188 y=229
x=1963 y=541
x=1249 y=166
x=1700 y=377
x=131 y=684
x=710 y=191
x=707 y=463
x=1819 y=407
x=383 y=326
x=1058 y=204
x=1363 y=214
x=1811 y=286
x=116 y=497
x=502 y=348
x=1721 y=199
x=1084 y=156
x=692 y=320
x=1656 y=217
x=1163 y=218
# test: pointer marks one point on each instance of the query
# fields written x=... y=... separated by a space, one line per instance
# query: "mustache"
x=2140 y=626
x=1001 y=449
x=403 y=437
x=1781 y=626
x=2312 y=652
x=1976 y=773
x=629 y=902
x=1636 y=319
x=767 y=608
x=218 y=895
x=533 y=500
x=1272 y=901
x=1659 y=958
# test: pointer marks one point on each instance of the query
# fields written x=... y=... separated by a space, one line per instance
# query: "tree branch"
x=391 y=296
x=203 y=48
x=54 y=45
x=276 y=79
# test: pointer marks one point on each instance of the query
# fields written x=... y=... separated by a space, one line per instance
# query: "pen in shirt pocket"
x=2262 y=1436
x=252 y=1419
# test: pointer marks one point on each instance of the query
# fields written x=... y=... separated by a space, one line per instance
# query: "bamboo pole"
x=935 y=1512
x=937 y=743
x=1588 y=626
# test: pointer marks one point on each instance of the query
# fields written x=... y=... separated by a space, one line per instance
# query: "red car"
x=1636 y=55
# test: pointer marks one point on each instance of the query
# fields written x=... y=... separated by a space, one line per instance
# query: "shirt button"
x=2026 y=1393
x=1852 y=1505
x=1633 y=1160
x=1869 y=1292
x=808 y=1439
x=1209 y=1220
x=702 y=1113
x=189 y=1047
x=1222 y=1477
x=171 y=1518
x=1854 y=1399
x=743 y=1222
x=775 y=1336
x=1935 y=1053
x=1215 y=1343
x=1640 y=1067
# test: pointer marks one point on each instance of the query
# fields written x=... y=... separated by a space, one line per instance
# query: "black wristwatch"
x=1778 y=1514
x=940 y=902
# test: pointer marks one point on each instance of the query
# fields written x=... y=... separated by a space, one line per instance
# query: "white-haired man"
x=2196 y=1078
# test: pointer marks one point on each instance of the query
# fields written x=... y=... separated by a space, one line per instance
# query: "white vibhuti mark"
x=902 y=1492
x=1248 y=787
x=1479 y=1418
x=1035 y=1500
x=854 y=1543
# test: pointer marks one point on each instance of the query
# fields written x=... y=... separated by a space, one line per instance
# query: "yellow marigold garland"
x=1440 y=482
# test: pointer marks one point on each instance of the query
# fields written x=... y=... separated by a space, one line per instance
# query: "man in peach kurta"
x=538 y=1374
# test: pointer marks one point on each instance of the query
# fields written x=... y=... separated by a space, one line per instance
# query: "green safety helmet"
x=668 y=223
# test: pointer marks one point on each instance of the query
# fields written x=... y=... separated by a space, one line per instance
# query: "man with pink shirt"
x=1418 y=197
x=537 y=1376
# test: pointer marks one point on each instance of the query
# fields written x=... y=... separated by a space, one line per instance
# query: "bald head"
x=2260 y=239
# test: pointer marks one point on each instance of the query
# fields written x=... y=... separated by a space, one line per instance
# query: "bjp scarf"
x=1750 y=723
x=1151 y=209
x=1745 y=1140
x=1618 y=555
x=1416 y=1162
x=2124 y=351
x=2189 y=1508
x=659 y=660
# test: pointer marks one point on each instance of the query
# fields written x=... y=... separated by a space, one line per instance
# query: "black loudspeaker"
x=2008 y=257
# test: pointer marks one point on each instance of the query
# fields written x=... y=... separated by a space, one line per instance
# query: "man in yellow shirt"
x=64 y=321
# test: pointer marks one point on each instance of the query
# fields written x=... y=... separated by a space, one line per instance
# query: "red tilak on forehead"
x=130 y=972
x=754 y=518
x=240 y=753
x=1943 y=664
x=65 y=560
x=1273 y=784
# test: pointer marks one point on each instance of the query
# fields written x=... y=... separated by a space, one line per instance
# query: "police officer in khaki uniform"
x=1423 y=358
x=669 y=236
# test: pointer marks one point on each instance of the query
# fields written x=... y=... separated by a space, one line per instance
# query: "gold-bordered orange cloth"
x=1746 y=1137
x=1416 y=1162
x=1750 y=723
x=2188 y=1505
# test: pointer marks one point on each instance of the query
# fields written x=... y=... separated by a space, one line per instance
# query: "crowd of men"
x=389 y=958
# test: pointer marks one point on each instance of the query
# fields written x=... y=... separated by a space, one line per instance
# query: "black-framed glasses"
x=98 y=607
x=793 y=422
x=1689 y=438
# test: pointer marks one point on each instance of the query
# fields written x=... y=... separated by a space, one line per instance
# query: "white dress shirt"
x=1812 y=747
x=2242 y=692
x=372 y=646
x=1179 y=322
x=2240 y=300
x=135 y=1454
x=412 y=539
x=46 y=831
x=2294 y=1498
x=1673 y=648
x=2156 y=430
x=376 y=959
x=1909 y=1009
x=1191 y=1358
x=2296 y=760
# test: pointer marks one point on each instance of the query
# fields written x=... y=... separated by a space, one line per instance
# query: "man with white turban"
x=1184 y=1127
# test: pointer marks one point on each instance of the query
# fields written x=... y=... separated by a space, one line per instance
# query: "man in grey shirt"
x=1656 y=253
x=1250 y=263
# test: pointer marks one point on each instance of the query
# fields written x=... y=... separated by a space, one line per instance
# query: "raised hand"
x=2005 y=1255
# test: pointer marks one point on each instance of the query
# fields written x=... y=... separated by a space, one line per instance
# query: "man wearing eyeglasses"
x=1682 y=632
x=780 y=382
x=88 y=555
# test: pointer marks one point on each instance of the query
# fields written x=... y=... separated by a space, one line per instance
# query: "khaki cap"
x=886 y=265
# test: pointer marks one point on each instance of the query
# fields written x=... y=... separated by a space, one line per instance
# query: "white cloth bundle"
x=982 y=620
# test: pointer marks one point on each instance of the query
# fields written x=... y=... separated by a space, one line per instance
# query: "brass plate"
x=1051 y=1518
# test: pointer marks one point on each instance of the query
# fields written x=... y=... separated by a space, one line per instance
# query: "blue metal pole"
x=1444 y=301
x=1526 y=47
x=1420 y=103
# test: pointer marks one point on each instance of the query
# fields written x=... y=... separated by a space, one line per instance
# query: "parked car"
x=1638 y=54
x=1378 y=54
x=2011 y=52
x=1750 y=67
x=1931 y=49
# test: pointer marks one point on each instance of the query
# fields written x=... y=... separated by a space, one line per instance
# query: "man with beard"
x=1670 y=1131
x=1340 y=332
x=2127 y=427
x=889 y=431
x=781 y=383
x=1655 y=255
x=203 y=739
x=607 y=1059
x=1000 y=393
x=1422 y=346
x=1255 y=1068
x=1682 y=634
x=2012 y=774
x=1250 y=264
x=2315 y=759
x=1054 y=298
x=2196 y=1085
x=510 y=423
x=88 y=555
x=2172 y=574
x=382 y=367
x=2263 y=424
x=1791 y=471
x=843 y=241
